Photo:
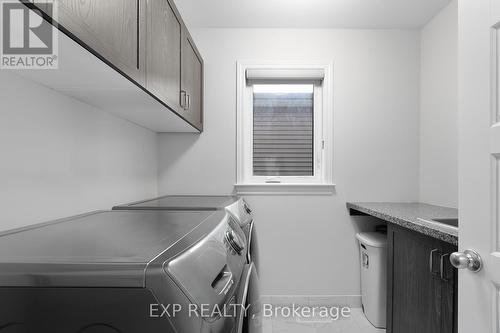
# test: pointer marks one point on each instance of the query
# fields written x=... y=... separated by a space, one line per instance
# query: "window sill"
x=284 y=189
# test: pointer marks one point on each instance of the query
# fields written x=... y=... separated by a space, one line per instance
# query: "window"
x=284 y=128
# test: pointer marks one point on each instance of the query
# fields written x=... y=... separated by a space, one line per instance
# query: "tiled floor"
x=356 y=323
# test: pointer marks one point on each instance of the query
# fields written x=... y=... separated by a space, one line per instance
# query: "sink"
x=448 y=225
x=449 y=221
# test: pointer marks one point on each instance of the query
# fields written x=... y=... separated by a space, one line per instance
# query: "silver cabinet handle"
x=182 y=101
x=431 y=261
x=468 y=259
x=442 y=267
x=188 y=104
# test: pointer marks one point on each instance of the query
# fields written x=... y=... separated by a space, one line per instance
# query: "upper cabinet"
x=147 y=42
x=191 y=81
x=115 y=29
x=164 y=56
x=174 y=65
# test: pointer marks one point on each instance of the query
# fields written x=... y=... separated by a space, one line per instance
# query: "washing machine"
x=129 y=272
x=235 y=205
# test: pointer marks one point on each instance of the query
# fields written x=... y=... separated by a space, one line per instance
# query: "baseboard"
x=353 y=301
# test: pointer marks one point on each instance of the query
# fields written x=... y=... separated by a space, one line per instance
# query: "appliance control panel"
x=241 y=211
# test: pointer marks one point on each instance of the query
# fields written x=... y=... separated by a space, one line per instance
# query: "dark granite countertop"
x=409 y=215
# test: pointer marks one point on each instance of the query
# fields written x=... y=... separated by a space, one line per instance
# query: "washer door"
x=250 y=314
x=253 y=246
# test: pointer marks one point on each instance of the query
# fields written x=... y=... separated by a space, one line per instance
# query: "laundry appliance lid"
x=183 y=202
x=108 y=248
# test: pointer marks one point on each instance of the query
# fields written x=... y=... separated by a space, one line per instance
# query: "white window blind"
x=311 y=74
x=283 y=130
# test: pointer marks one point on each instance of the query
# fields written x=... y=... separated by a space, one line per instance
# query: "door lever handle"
x=468 y=259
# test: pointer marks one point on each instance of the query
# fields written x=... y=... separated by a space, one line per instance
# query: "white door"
x=479 y=163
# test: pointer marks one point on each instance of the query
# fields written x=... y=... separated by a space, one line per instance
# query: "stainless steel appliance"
x=128 y=271
x=235 y=205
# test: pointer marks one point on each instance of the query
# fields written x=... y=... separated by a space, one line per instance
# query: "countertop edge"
x=408 y=224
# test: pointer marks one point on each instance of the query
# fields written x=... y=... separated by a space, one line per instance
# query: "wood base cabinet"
x=422 y=284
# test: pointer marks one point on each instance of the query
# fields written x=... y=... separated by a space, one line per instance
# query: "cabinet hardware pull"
x=182 y=101
x=188 y=104
x=442 y=266
x=431 y=261
x=138 y=23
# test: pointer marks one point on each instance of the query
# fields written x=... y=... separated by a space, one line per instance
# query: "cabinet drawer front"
x=164 y=53
x=112 y=28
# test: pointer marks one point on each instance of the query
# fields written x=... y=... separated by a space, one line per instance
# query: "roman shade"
x=306 y=74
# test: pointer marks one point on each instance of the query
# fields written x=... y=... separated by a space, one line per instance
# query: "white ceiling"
x=369 y=14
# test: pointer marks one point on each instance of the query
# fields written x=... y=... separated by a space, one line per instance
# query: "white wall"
x=307 y=242
x=439 y=110
x=60 y=157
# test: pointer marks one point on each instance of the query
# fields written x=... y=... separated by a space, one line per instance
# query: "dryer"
x=235 y=205
x=128 y=271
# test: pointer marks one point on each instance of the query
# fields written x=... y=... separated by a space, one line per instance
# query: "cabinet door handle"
x=431 y=261
x=182 y=101
x=442 y=266
x=188 y=104
x=138 y=22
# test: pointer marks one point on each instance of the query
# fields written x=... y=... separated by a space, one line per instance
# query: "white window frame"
x=322 y=181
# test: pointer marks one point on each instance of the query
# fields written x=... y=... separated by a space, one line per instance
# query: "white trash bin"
x=373 y=254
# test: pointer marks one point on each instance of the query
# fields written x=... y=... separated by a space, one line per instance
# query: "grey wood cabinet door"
x=449 y=292
x=115 y=29
x=421 y=289
x=164 y=53
x=415 y=287
x=191 y=82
